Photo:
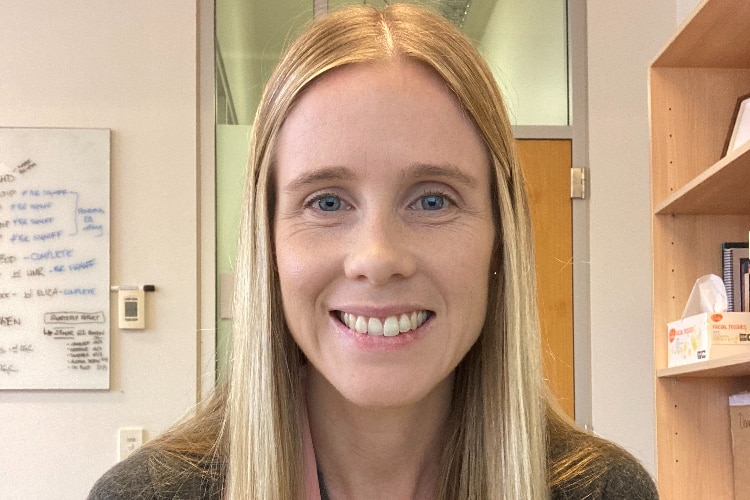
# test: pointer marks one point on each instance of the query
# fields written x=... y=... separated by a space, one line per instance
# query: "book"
x=746 y=292
x=732 y=252
x=739 y=133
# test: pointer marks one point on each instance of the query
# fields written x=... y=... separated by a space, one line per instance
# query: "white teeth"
x=360 y=324
x=374 y=327
x=404 y=323
x=390 y=326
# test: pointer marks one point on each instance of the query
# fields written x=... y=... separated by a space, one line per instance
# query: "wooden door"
x=546 y=166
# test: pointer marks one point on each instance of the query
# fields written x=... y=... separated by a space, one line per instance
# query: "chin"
x=381 y=399
x=373 y=392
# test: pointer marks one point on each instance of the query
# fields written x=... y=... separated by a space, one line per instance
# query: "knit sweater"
x=151 y=475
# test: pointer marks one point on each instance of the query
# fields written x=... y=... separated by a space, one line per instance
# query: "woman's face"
x=383 y=231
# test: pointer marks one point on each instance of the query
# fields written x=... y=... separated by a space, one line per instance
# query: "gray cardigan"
x=150 y=474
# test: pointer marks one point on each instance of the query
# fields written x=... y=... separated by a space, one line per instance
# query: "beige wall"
x=130 y=67
x=623 y=38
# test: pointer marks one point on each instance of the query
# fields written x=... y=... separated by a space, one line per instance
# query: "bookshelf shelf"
x=715 y=37
x=700 y=200
x=731 y=366
x=707 y=193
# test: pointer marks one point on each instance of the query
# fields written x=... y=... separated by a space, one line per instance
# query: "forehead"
x=378 y=85
x=396 y=111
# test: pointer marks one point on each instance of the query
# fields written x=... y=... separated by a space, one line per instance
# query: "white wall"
x=623 y=38
x=131 y=67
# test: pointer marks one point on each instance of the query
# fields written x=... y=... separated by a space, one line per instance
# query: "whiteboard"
x=54 y=258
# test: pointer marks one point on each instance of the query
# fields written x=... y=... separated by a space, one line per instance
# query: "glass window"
x=525 y=43
x=250 y=38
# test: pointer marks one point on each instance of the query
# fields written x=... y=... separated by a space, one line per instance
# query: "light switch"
x=129 y=440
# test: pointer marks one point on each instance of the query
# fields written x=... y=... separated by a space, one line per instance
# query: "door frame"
x=577 y=131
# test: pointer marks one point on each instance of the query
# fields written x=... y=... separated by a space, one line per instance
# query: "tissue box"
x=707 y=336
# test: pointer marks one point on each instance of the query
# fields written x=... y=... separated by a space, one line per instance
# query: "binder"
x=732 y=253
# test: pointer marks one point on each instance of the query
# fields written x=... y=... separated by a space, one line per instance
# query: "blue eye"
x=329 y=203
x=432 y=202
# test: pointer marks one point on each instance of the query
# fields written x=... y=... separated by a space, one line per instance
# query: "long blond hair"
x=507 y=437
x=496 y=447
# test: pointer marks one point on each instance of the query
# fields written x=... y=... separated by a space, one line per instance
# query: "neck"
x=377 y=452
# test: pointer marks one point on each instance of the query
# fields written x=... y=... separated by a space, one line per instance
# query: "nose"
x=380 y=251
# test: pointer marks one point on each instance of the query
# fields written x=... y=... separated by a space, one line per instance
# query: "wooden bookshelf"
x=700 y=199
x=730 y=366
x=705 y=194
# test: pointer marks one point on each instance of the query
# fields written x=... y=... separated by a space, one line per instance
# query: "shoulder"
x=128 y=479
x=584 y=466
x=154 y=474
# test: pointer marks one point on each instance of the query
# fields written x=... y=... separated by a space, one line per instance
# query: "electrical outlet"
x=129 y=440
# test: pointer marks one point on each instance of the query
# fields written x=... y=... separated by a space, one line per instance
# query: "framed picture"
x=739 y=133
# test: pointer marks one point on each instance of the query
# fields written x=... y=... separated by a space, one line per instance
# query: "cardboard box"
x=707 y=336
x=739 y=412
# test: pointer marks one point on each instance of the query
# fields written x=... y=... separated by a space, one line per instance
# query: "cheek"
x=291 y=267
x=469 y=258
x=294 y=289
x=303 y=271
x=291 y=260
x=467 y=275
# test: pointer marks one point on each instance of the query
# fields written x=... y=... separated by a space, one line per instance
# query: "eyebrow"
x=321 y=175
x=417 y=170
x=447 y=171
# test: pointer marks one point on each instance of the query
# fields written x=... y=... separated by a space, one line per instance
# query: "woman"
x=386 y=339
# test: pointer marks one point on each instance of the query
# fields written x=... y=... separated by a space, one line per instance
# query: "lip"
x=365 y=342
x=379 y=311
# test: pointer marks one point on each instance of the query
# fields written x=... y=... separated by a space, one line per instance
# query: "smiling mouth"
x=389 y=327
